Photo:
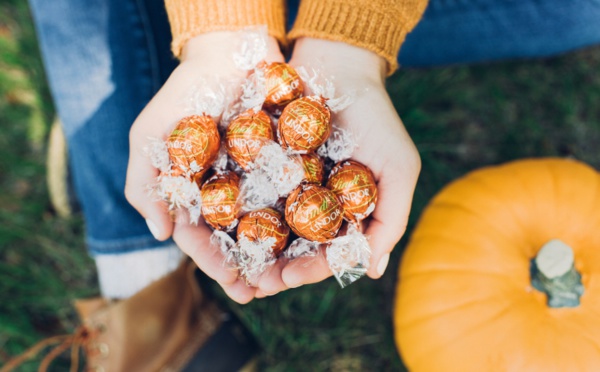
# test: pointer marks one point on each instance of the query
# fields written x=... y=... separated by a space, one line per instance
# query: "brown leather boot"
x=158 y=329
x=168 y=326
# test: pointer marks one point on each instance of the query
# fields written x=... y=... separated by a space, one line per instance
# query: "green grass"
x=461 y=118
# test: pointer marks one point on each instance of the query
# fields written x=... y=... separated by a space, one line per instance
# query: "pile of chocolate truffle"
x=272 y=148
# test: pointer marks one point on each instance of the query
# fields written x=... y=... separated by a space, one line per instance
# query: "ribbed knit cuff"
x=380 y=28
x=123 y=275
x=190 y=18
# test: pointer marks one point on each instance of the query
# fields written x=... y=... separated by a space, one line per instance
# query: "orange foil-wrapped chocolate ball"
x=262 y=225
x=246 y=135
x=283 y=85
x=305 y=124
x=313 y=168
x=219 y=201
x=194 y=143
x=354 y=186
x=314 y=213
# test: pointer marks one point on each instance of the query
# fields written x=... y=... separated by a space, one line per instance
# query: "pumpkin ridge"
x=459 y=270
x=469 y=330
x=482 y=218
x=416 y=321
x=581 y=332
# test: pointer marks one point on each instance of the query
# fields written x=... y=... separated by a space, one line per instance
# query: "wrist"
x=222 y=44
x=336 y=56
x=219 y=47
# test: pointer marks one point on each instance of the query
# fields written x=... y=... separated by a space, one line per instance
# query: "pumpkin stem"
x=553 y=272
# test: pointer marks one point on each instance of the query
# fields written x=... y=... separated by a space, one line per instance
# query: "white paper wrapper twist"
x=222 y=241
x=324 y=87
x=180 y=193
x=252 y=48
x=158 y=153
x=348 y=256
x=252 y=258
x=302 y=248
x=339 y=146
x=207 y=96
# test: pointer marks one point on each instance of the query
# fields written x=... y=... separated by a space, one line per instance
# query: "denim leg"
x=104 y=61
x=464 y=31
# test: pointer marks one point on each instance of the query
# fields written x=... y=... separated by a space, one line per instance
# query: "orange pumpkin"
x=465 y=299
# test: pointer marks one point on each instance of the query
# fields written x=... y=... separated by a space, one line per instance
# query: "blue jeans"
x=105 y=59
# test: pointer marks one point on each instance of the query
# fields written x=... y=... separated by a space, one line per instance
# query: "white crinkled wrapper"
x=180 y=193
x=302 y=248
x=222 y=241
x=348 y=256
x=339 y=146
x=158 y=153
x=252 y=258
x=276 y=174
x=285 y=171
x=256 y=191
x=254 y=91
x=252 y=48
x=208 y=96
x=324 y=87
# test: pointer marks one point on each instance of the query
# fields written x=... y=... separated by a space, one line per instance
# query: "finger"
x=140 y=174
x=306 y=270
x=195 y=242
x=259 y=294
x=270 y=282
x=239 y=292
x=389 y=219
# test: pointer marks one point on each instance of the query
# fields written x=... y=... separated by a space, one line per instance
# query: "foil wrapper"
x=246 y=136
x=355 y=188
x=304 y=125
x=314 y=213
x=313 y=166
x=219 y=201
x=283 y=85
x=194 y=144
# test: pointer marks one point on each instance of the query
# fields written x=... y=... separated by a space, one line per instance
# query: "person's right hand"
x=204 y=56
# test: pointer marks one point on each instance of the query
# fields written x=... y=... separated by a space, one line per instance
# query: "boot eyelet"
x=103 y=349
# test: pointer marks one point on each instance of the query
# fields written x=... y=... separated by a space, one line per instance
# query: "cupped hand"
x=204 y=57
x=383 y=145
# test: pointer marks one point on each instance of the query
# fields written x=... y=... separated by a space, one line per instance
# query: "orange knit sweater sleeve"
x=189 y=18
x=377 y=25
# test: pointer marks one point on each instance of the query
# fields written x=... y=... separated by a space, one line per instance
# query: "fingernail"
x=153 y=228
x=383 y=264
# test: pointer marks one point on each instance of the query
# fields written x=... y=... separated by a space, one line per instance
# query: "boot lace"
x=82 y=338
